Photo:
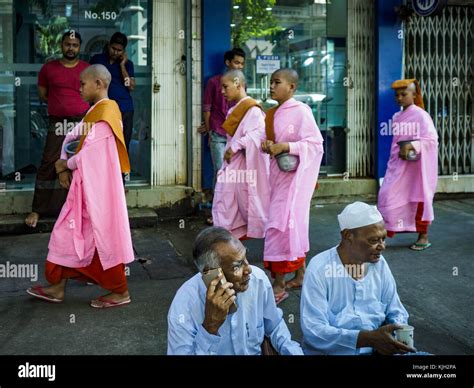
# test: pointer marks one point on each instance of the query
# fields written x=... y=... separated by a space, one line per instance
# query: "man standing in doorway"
x=58 y=86
x=116 y=61
x=215 y=108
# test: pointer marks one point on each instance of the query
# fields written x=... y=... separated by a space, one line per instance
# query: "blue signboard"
x=429 y=7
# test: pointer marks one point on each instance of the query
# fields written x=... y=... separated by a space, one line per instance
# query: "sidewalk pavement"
x=436 y=287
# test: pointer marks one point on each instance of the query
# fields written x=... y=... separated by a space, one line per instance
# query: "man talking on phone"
x=115 y=59
x=234 y=313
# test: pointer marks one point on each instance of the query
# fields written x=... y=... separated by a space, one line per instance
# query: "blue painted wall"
x=216 y=18
x=389 y=52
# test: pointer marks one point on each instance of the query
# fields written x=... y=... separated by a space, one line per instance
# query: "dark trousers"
x=49 y=196
x=127 y=121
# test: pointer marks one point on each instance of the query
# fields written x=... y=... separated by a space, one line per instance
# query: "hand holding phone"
x=212 y=274
x=220 y=300
x=123 y=58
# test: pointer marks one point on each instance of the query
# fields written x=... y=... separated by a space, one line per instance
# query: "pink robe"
x=95 y=213
x=291 y=192
x=407 y=183
x=242 y=192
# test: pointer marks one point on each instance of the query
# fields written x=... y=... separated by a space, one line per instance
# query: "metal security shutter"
x=360 y=104
x=439 y=53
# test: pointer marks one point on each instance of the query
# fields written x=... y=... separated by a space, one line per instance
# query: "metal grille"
x=360 y=104
x=439 y=53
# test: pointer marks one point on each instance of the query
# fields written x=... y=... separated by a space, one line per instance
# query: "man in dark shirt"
x=123 y=82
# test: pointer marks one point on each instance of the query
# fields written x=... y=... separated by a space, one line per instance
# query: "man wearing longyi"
x=91 y=239
x=58 y=86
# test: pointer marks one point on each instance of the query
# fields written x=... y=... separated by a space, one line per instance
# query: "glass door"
x=30 y=36
x=294 y=33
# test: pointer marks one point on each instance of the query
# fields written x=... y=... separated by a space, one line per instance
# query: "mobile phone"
x=210 y=275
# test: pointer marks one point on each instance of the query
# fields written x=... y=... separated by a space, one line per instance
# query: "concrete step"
x=15 y=224
x=163 y=198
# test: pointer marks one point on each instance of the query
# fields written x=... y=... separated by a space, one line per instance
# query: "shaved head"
x=236 y=76
x=412 y=87
x=98 y=72
x=288 y=74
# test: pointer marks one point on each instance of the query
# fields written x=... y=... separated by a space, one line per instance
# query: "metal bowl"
x=71 y=147
x=287 y=162
x=413 y=156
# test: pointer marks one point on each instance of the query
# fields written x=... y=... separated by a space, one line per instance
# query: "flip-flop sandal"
x=106 y=303
x=419 y=247
x=37 y=292
x=280 y=297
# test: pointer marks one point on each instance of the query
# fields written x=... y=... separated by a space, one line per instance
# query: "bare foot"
x=279 y=283
x=296 y=282
x=422 y=238
x=32 y=219
x=278 y=290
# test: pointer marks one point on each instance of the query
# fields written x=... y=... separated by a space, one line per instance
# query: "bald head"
x=233 y=85
x=236 y=76
x=289 y=75
x=412 y=87
x=98 y=72
x=95 y=81
x=283 y=84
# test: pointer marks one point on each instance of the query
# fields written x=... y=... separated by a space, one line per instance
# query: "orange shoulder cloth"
x=269 y=128
x=233 y=120
x=108 y=111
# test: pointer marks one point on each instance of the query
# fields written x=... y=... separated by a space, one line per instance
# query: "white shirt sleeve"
x=318 y=334
x=395 y=312
x=186 y=337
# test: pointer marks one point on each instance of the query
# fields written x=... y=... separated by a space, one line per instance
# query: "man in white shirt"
x=199 y=322
x=349 y=300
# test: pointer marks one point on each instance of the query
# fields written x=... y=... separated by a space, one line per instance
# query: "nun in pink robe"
x=242 y=192
x=406 y=196
x=91 y=240
x=287 y=231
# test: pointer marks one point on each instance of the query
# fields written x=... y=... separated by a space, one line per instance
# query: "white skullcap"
x=357 y=215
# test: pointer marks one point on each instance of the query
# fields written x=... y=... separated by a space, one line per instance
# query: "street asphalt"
x=436 y=287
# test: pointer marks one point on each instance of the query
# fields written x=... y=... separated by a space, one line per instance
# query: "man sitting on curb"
x=199 y=319
x=349 y=300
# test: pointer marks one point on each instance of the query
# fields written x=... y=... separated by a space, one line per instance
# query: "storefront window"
x=30 y=35
x=299 y=34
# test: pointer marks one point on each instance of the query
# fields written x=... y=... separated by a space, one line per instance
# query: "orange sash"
x=108 y=111
x=233 y=120
x=269 y=128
